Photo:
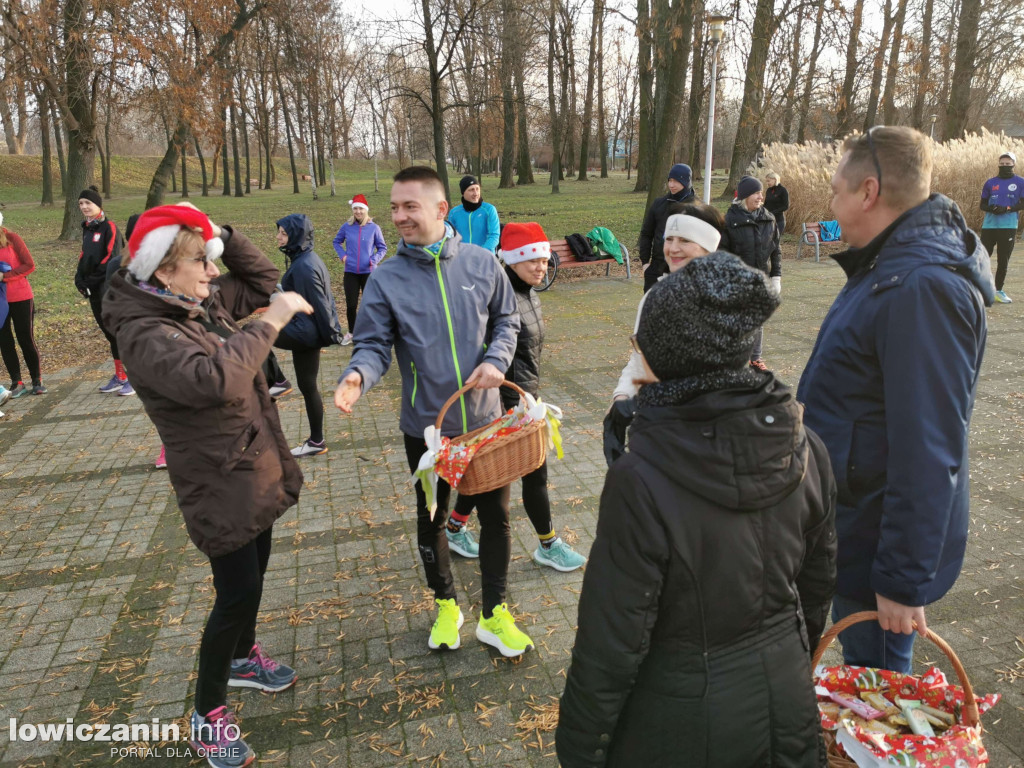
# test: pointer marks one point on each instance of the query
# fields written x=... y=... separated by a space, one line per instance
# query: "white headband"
x=693 y=229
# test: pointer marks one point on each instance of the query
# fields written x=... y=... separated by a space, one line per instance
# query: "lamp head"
x=717 y=27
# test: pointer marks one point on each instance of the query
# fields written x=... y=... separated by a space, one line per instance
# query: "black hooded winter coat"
x=708 y=585
x=754 y=237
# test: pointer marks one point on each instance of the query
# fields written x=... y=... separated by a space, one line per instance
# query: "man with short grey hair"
x=890 y=387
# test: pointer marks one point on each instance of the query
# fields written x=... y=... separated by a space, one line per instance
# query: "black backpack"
x=581 y=248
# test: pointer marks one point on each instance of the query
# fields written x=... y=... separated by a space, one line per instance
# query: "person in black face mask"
x=1002 y=198
x=652 y=233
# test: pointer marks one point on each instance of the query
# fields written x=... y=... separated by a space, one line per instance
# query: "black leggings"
x=22 y=319
x=1000 y=240
x=96 y=302
x=495 y=536
x=307 y=370
x=535 y=501
x=230 y=631
x=353 y=283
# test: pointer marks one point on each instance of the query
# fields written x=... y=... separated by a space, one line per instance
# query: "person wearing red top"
x=21 y=316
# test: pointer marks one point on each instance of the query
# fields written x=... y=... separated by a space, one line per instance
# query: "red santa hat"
x=523 y=242
x=359 y=201
x=154 y=234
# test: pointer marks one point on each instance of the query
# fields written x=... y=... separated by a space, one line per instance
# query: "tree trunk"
x=812 y=66
x=288 y=135
x=602 y=137
x=202 y=165
x=556 y=123
x=794 y=76
x=672 y=61
x=508 y=100
x=876 y=67
x=245 y=145
x=184 y=168
x=81 y=117
x=696 y=106
x=158 y=184
x=844 y=110
x=236 y=160
x=958 y=117
x=226 y=170
x=216 y=163
x=525 y=165
x=58 y=140
x=924 y=67
x=889 y=115
x=44 y=137
x=436 y=105
x=645 y=71
x=748 y=134
x=105 y=155
x=588 y=102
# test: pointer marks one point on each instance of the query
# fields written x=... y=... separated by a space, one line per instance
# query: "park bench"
x=563 y=258
x=811 y=235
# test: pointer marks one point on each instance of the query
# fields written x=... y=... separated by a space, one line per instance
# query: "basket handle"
x=970 y=708
x=451 y=400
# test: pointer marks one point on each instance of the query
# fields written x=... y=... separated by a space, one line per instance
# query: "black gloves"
x=616 y=422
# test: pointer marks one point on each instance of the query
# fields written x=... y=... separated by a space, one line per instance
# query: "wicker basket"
x=503 y=459
x=969 y=713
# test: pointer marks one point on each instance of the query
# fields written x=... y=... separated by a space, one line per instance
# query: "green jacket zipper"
x=414 y=383
x=451 y=333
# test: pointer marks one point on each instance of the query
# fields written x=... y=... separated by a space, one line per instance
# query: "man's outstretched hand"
x=348 y=392
x=895 y=617
x=485 y=376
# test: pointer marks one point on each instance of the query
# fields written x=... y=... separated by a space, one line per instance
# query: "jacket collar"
x=449 y=247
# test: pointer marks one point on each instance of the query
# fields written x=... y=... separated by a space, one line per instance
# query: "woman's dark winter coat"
x=708 y=584
x=228 y=460
x=754 y=237
x=776 y=200
x=307 y=275
x=525 y=367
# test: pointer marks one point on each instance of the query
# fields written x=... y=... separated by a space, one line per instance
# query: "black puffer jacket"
x=692 y=648
x=525 y=367
x=652 y=233
x=753 y=236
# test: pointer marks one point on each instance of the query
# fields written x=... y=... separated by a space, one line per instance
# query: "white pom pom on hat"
x=154 y=234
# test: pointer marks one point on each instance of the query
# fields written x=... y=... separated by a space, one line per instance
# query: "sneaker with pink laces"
x=261 y=672
x=218 y=738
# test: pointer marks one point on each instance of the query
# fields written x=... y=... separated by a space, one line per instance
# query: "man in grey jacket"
x=448 y=310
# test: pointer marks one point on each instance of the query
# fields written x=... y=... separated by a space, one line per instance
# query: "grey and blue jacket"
x=444 y=315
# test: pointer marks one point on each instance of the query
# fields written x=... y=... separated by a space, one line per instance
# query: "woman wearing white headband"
x=692 y=230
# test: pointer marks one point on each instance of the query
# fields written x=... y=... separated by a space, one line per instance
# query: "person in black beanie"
x=101 y=245
x=724 y=499
x=475 y=221
x=752 y=234
x=680 y=190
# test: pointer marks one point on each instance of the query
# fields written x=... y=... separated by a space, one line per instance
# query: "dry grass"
x=961 y=168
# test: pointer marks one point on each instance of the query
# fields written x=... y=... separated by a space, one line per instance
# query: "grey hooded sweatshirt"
x=444 y=315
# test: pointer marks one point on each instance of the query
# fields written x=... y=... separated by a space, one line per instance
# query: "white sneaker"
x=5 y=395
x=346 y=339
x=309 y=448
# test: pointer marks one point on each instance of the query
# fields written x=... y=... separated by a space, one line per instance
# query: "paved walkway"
x=102 y=597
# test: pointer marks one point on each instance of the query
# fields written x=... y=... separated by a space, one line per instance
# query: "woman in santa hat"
x=199 y=377
x=360 y=246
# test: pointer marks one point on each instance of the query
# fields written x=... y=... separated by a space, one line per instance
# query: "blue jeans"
x=867 y=644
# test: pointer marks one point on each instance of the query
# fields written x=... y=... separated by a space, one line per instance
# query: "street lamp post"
x=717 y=24
x=932 y=134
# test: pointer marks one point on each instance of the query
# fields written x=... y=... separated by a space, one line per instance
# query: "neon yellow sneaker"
x=501 y=632
x=445 y=632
